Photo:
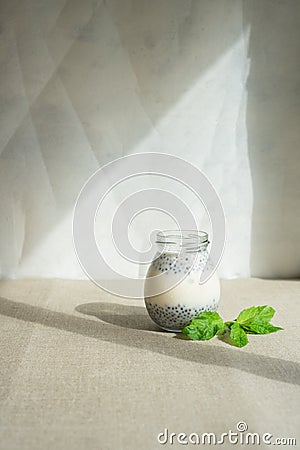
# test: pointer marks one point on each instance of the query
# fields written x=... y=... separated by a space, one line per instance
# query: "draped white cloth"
x=215 y=82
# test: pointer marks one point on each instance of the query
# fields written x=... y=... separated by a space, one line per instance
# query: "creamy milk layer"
x=176 y=307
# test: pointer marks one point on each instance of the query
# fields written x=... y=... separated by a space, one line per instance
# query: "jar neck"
x=184 y=241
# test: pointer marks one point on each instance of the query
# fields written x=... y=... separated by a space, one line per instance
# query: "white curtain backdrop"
x=213 y=81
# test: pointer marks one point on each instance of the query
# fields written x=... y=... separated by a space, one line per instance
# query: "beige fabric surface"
x=81 y=369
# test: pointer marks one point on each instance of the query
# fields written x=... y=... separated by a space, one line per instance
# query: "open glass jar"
x=174 y=275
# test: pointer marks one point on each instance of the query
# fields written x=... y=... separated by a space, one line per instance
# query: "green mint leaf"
x=261 y=328
x=205 y=326
x=260 y=313
x=238 y=335
x=253 y=320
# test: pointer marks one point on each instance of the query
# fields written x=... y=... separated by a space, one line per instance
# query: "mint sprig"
x=253 y=320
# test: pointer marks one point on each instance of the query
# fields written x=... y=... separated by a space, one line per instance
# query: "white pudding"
x=173 y=309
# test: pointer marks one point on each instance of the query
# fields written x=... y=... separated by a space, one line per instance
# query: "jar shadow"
x=126 y=316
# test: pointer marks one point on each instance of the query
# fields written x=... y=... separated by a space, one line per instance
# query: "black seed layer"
x=181 y=263
x=175 y=318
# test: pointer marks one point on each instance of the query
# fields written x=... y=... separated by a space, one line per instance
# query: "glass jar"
x=174 y=294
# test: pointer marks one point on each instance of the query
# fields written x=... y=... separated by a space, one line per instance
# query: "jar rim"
x=182 y=237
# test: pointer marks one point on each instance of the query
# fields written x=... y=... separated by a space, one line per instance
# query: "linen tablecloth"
x=84 y=370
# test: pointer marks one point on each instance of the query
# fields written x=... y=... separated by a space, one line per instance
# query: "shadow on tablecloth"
x=123 y=330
